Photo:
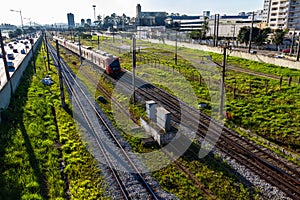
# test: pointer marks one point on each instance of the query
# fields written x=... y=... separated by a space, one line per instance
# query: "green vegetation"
x=37 y=138
x=259 y=104
x=219 y=184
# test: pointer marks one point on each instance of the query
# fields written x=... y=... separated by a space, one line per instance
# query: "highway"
x=18 y=57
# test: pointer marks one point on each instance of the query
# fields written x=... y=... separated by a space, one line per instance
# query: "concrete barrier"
x=5 y=93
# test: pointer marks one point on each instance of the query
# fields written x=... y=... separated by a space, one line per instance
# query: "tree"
x=278 y=37
x=205 y=28
x=15 y=33
x=196 y=34
x=243 y=35
x=260 y=35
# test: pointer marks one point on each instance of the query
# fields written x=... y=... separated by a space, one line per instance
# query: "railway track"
x=275 y=171
x=284 y=176
x=128 y=179
x=169 y=154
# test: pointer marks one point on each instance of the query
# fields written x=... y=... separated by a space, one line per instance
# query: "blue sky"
x=55 y=11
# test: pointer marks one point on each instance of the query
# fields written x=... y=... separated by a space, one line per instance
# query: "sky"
x=55 y=11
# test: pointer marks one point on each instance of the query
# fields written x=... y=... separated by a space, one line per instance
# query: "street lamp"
x=19 y=11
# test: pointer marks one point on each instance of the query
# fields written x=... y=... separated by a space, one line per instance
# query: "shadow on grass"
x=11 y=185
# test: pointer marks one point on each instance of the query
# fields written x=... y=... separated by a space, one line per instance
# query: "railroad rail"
x=284 y=176
x=131 y=185
x=270 y=168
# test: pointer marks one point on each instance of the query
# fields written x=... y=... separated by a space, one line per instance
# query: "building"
x=293 y=21
x=282 y=14
x=82 y=22
x=89 y=22
x=7 y=27
x=185 y=22
x=266 y=11
x=71 y=22
x=229 y=25
x=153 y=32
x=149 y=18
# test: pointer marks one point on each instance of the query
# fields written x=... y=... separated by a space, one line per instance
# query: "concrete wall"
x=5 y=93
x=255 y=57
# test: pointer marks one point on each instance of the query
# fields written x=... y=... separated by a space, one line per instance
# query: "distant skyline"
x=48 y=12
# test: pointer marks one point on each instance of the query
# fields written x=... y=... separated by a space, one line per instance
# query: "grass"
x=37 y=136
x=170 y=178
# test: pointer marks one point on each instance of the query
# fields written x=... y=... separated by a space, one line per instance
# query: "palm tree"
x=205 y=28
x=278 y=37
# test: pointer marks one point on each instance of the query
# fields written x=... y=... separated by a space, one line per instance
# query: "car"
x=27 y=47
x=11 y=66
x=253 y=52
x=10 y=56
x=279 y=56
x=287 y=51
x=15 y=50
x=23 y=51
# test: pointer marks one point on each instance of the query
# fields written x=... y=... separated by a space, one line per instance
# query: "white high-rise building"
x=266 y=10
x=282 y=14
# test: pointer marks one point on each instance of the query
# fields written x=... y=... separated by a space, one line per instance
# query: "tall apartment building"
x=282 y=14
x=294 y=15
x=71 y=22
x=266 y=10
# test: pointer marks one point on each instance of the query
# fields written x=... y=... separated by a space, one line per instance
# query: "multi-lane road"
x=17 y=47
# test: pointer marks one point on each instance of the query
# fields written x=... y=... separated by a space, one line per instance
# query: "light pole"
x=19 y=11
x=94 y=6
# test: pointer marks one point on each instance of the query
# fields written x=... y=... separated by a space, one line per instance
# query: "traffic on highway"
x=16 y=51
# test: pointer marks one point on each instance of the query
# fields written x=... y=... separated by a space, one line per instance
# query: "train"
x=108 y=62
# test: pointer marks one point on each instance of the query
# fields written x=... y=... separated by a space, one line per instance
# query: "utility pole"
x=33 y=58
x=251 y=30
x=133 y=64
x=5 y=64
x=233 y=34
x=292 y=46
x=298 y=49
x=61 y=86
x=79 y=46
x=222 y=83
x=215 y=26
x=48 y=60
x=217 y=31
x=98 y=42
x=176 y=49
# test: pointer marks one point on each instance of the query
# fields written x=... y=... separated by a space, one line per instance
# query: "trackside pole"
x=133 y=64
x=222 y=83
x=61 y=86
x=47 y=50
